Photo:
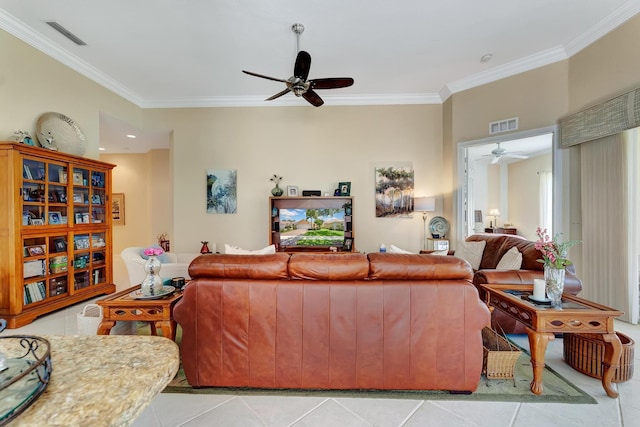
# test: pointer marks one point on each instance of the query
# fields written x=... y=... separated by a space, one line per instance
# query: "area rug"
x=557 y=389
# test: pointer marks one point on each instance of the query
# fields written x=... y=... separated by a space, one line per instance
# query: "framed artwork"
x=78 y=198
x=345 y=188
x=292 y=191
x=117 y=208
x=62 y=176
x=37 y=221
x=222 y=191
x=54 y=218
x=95 y=199
x=394 y=190
x=59 y=244
x=35 y=250
x=77 y=178
x=347 y=245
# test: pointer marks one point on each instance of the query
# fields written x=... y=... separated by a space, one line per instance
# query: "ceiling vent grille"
x=605 y=119
x=68 y=34
x=503 y=126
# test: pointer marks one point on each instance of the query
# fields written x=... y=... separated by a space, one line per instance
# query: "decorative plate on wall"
x=56 y=131
x=439 y=227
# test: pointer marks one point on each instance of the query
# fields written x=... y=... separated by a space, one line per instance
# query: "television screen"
x=311 y=227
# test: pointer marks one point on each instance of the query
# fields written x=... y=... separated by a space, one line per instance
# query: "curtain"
x=546 y=201
x=605 y=224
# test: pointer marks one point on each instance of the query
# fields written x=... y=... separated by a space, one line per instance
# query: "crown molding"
x=20 y=30
x=23 y=32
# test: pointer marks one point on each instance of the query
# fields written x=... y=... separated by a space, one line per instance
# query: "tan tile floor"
x=169 y=410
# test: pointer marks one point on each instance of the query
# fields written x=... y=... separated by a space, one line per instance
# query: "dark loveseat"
x=496 y=246
x=332 y=321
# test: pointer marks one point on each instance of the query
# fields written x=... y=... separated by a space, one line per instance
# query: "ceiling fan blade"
x=278 y=95
x=264 y=77
x=313 y=98
x=495 y=160
x=331 y=83
x=516 y=156
x=303 y=65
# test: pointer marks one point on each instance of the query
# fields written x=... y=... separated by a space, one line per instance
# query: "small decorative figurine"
x=205 y=247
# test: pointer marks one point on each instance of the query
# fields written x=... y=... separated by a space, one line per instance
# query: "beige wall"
x=524 y=190
x=145 y=180
x=31 y=84
x=313 y=149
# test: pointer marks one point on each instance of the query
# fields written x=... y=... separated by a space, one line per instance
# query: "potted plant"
x=347 y=208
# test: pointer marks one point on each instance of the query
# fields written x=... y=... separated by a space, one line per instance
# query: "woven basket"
x=500 y=355
x=584 y=353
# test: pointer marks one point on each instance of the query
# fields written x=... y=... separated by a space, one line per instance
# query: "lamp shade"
x=424 y=204
x=494 y=212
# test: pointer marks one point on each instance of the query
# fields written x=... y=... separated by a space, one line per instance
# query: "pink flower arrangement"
x=153 y=251
x=554 y=252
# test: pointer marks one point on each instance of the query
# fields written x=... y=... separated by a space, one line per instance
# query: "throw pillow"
x=234 y=250
x=396 y=250
x=164 y=258
x=511 y=260
x=440 y=253
x=471 y=252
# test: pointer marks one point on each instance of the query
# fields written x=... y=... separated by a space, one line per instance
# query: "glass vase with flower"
x=554 y=257
x=276 y=191
x=152 y=283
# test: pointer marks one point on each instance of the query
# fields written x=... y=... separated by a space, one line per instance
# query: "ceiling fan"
x=298 y=83
x=499 y=152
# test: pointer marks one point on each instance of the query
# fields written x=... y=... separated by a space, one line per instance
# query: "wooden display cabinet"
x=55 y=231
x=311 y=224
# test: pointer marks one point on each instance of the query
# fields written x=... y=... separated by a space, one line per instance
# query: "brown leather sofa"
x=497 y=245
x=332 y=321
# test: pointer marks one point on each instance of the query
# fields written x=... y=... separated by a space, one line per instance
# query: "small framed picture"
x=62 y=176
x=59 y=244
x=78 y=198
x=79 y=218
x=35 y=250
x=95 y=199
x=345 y=188
x=62 y=196
x=292 y=191
x=347 y=245
x=54 y=218
x=37 y=221
x=77 y=178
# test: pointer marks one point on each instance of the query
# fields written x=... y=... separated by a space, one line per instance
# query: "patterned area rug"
x=557 y=389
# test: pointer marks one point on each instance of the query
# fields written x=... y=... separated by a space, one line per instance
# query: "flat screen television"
x=308 y=228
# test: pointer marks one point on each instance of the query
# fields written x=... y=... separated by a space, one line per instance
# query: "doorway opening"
x=509 y=182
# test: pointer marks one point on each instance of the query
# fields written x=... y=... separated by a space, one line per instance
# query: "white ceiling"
x=179 y=53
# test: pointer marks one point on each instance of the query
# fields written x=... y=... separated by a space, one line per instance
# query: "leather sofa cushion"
x=498 y=245
x=265 y=267
x=328 y=266
x=387 y=266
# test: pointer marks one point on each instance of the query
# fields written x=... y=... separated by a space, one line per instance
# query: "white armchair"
x=177 y=267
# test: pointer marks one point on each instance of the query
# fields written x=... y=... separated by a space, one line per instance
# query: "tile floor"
x=169 y=410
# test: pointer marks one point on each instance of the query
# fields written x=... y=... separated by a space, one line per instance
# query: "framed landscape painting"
x=394 y=190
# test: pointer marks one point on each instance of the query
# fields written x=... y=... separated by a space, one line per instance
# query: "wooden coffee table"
x=577 y=315
x=122 y=306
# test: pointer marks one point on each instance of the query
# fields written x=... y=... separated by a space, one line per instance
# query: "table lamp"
x=424 y=205
x=495 y=213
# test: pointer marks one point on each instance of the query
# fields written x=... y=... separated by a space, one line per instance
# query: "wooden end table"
x=577 y=315
x=122 y=306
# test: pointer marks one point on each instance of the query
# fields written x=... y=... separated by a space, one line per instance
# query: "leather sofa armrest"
x=572 y=285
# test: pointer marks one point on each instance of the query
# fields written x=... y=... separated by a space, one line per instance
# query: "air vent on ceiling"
x=503 y=125
x=605 y=119
x=68 y=34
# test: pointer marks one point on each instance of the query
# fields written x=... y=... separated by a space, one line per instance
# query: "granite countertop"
x=102 y=380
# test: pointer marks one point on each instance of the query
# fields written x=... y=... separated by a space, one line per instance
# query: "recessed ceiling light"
x=102 y=149
x=131 y=136
x=486 y=58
